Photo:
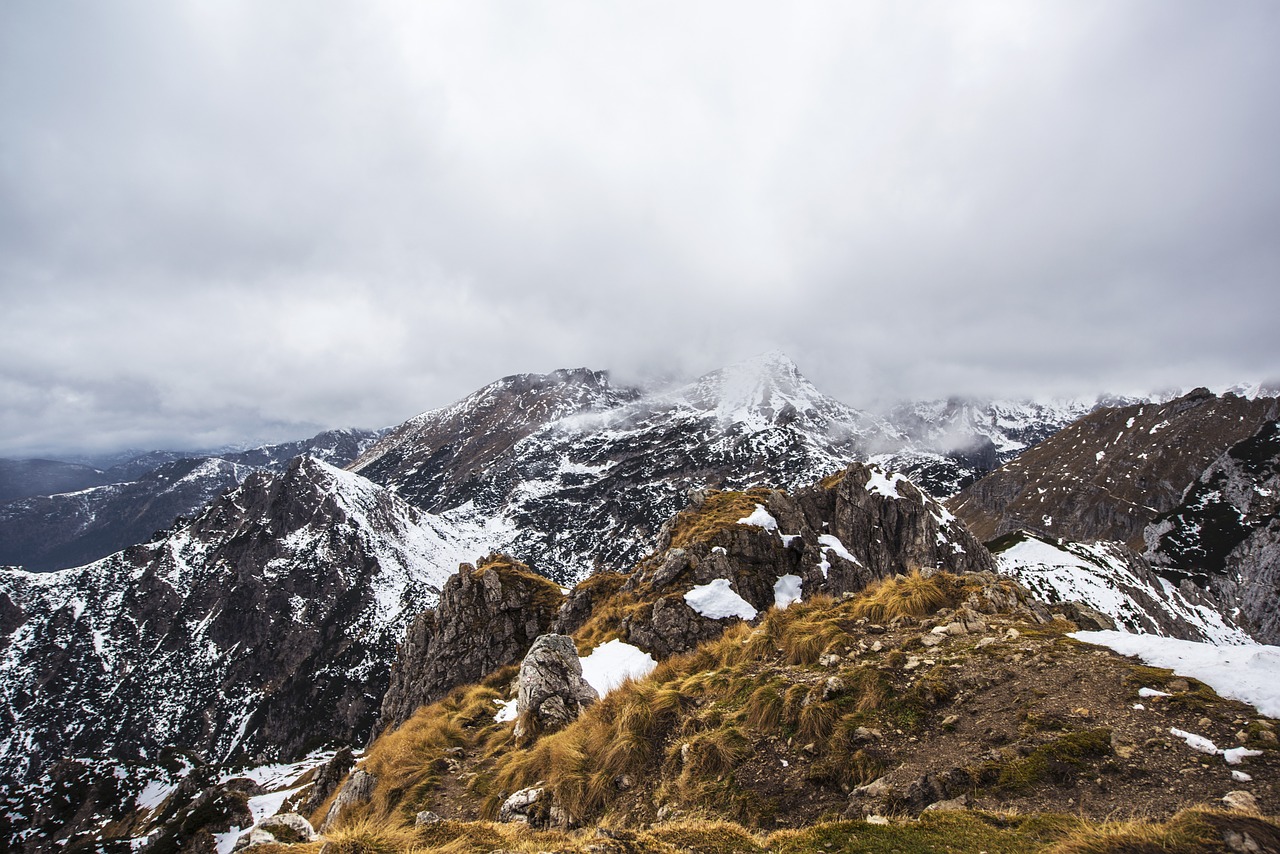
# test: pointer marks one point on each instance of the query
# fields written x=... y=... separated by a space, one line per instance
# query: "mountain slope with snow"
x=265 y=624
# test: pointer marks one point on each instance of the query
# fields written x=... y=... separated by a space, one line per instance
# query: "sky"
x=232 y=222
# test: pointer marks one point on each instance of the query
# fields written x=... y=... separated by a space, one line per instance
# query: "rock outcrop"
x=488 y=617
x=358 y=789
x=552 y=691
x=835 y=537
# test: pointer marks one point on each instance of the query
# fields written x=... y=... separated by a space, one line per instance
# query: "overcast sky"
x=226 y=221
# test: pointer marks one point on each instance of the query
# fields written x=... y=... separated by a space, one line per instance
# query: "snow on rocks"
x=761 y=518
x=717 y=600
x=1249 y=673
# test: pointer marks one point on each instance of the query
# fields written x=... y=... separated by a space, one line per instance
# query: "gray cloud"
x=237 y=220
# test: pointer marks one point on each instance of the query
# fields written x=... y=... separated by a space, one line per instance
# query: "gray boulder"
x=357 y=790
x=552 y=691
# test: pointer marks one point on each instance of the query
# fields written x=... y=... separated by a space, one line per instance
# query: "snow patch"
x=717 y=600
x=786 y=590
x=614 y=662
x=1249 y=673
x=760 y=518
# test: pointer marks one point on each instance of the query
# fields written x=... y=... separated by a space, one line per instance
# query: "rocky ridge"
x=573 y=475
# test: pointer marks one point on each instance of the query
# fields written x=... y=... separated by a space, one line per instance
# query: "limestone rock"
x=328 y=778
x=357 y=790
x=487 y=617
x=1241 y=801
x=535 y=806
x=288 y=827
x=552 y=691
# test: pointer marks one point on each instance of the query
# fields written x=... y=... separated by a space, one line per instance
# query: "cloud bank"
x=242 y=221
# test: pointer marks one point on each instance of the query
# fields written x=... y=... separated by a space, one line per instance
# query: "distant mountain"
x=24 y=478
x=266 y=623
x=142 y=495
x=573 y=474
x=1114 y=471
x=1189 y=481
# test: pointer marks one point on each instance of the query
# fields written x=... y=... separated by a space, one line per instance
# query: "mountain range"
x=257 y=606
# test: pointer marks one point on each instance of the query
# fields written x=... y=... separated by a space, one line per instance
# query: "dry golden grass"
x=907 y=596
x=546 y=593
x=718 y=511
x=1191 y=831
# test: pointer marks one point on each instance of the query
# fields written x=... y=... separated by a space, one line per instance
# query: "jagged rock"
x=487 y=617
x=288 y=827
x=426 y=817
x=836 y=537
x=552 y=691
x=952 y=805
x=670 y=626
x=357 y=790
x=329 y=777
x=535 y=806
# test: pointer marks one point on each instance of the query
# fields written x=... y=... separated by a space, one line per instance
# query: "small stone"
x=1204 y=723
x=426 y=817
x=1266 y=736
x=877 y=819
x=863 y=733
x=950 y=720
x=1012 y=634
x=952 y=805
x=985 y=642
x=829 y=659
x=931 y=640
x=875 y=789
x=877 y=646
x=912 y=663
x=956 y=629
x=1241 y=801
x=939 y=630
x=833 y=687
x=1177 y=685
x=811 y=747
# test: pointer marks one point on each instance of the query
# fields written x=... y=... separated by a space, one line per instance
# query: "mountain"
x=573 y=475
x=958 y=440
x=834 y=668
x=25 y=478
x=1112 y=472
x=1224 y=534
x=264 y=625
x=143 y=495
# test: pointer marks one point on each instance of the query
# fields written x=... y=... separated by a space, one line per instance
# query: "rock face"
x=1224 y=535
x=552 y=691
x=835 y=537
x=261 y=628
x=357 y=790
x=488 y=617
x=1108 y=475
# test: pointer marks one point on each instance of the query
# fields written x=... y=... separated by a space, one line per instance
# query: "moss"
x=1057 y=761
